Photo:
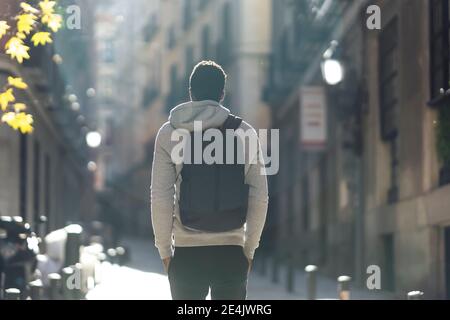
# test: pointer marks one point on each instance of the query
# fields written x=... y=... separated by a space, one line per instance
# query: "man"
x=211 y=250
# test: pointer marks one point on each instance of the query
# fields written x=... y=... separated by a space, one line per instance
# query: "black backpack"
x=214 y=198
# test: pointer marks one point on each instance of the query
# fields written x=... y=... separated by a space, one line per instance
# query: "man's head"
x=207 y=82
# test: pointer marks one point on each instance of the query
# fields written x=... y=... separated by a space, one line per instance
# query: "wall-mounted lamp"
x=332 y=69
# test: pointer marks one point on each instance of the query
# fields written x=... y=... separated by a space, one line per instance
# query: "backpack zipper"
x=217 y=173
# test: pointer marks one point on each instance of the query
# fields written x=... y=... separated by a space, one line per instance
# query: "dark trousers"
x=195 y=270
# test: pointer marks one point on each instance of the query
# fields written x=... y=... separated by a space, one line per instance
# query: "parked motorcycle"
x=19 y=248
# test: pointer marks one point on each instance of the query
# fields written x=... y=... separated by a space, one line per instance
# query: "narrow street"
x=144 y=279
x=341 y=142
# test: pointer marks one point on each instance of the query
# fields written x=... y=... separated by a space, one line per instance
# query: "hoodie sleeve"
x=257 y=203
x=163 y=195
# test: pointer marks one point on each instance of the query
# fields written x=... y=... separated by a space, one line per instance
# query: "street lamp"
x=332 y=71
x=94 y=139
x=349 y=97
x=332 y=68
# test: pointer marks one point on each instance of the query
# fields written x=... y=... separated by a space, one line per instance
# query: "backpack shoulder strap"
x=232 y=122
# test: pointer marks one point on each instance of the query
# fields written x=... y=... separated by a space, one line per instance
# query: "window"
x=206 y=43
x=447 y=261
x=23 y=175
x=149 y=96
x=440 y=75
x=173 y=97
x=227 y=42
x=47 y=191
x=202 y=4
x=284 y=51
x=188 y=16
x=173 y=77
x=290 y=178
x=171 y=38
x=388 y=281
x=305 y=202
x=189 y=65
x=108 y=51
x=439 y=46
x=106 y=85
x=226 y=24
x=389 y=102
x=152 y=90
x=36 y=180
x=151 y=28
x=189 y=60
x=388 y=80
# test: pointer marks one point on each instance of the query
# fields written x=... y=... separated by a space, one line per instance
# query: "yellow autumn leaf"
x=21 y=35
x=6 y=98
x=41 y=38
x=17 y=50
x=28 y=8
x=47 y=7
x=54 y=21
x=18 y=107
x=21 y=121
x=26 y=22
x=9 y=116
x=17 y=83
x=3 y=28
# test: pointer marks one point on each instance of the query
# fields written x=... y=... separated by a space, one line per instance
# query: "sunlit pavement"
x=144 y=279
x=124 y=283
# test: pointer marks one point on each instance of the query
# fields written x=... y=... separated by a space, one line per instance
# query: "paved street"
x=143 y=279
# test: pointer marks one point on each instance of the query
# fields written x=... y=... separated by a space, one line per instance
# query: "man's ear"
x=222 y=97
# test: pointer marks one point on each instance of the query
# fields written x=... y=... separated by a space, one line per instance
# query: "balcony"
x=187 y=15
x=151 y=30
x=298 y=44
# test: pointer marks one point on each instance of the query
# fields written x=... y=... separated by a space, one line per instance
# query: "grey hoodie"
x=166 y=178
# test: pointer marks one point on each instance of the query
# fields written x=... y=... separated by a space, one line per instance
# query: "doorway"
x=447 y=261
x=388 y=278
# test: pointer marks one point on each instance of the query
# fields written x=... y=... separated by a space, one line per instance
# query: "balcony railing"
x=301 y=42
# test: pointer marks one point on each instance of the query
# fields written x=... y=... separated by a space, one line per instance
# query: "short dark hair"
x=207 y=81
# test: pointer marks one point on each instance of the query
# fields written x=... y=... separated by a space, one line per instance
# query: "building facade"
x=234 y=33
x=45 y=173
x=377 y=193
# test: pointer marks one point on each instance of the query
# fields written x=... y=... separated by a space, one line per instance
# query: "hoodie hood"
x=211 y=113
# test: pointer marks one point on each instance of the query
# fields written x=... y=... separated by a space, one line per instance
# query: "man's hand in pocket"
x=166 y=263
x=250 y=264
